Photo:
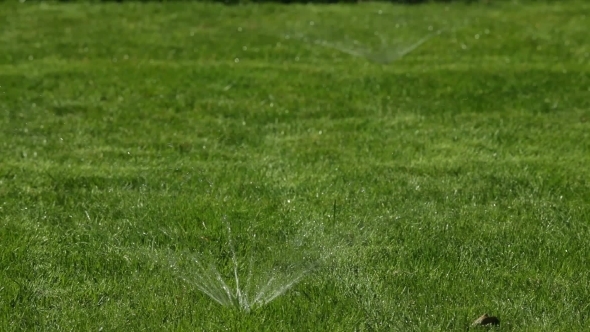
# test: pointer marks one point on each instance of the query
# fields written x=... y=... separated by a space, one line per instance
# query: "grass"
x=426 y=184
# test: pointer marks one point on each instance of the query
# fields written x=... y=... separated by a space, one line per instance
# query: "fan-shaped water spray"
x=249 y=286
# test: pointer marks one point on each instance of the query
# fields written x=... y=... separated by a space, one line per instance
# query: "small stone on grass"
x=486 y=320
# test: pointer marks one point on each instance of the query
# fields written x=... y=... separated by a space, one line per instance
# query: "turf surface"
x=422 y=164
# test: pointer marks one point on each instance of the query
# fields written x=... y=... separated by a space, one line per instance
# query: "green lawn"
x=417 y=166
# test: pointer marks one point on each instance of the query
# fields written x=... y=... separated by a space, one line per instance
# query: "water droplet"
x=477 y=36
x=245 y=48
x=379 y=12
x=463 y=46
x=311 y=23
x=240 y=29
x=236 y=60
